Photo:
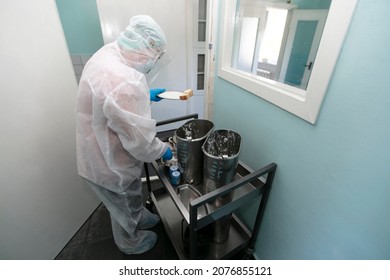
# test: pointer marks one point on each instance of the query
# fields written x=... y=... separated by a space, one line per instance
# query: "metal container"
x=187 y=193
x=189 y=140
x=221 y=151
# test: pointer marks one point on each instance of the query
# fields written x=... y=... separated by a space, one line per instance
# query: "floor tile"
x=94 y=240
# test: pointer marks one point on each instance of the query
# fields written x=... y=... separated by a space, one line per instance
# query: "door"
x=302 y=44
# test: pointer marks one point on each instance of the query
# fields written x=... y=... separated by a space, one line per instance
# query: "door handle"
x=309 y=65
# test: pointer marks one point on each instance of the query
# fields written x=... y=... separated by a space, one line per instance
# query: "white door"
x=174 y=16
x=43 y=201
x=302 y=44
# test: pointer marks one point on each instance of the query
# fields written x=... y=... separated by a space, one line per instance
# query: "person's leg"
x=128 y=215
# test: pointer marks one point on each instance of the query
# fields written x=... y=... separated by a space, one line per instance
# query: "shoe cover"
x=148 y=219
x=141 y=242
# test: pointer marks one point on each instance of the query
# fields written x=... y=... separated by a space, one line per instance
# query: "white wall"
x=43 y=201
x=171 y=16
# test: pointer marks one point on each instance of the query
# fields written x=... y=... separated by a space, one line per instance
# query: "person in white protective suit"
x=115 y=131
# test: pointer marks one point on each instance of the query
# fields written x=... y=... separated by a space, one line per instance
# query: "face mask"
x=160 y=64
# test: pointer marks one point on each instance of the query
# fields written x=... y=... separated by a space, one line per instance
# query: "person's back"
x=107 y=79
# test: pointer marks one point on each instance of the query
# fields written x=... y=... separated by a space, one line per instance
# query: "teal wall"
x=309 y=4
x=331 y=194
x=312 y=4
x=80 y=21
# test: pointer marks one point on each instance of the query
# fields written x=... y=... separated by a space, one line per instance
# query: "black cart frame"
x=247 y=186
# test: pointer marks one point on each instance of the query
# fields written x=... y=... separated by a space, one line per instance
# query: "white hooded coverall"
x=115 y=132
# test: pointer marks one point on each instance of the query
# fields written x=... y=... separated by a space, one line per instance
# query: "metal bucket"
x=187 y=193
x=221 y=151
x=189 y=140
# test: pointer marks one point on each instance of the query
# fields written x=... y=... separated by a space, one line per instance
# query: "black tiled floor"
x=94 y=241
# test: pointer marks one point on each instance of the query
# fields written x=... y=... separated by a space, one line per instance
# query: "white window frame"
x=302 y=103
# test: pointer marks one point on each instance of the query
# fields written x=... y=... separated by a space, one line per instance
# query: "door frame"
x=211 y=38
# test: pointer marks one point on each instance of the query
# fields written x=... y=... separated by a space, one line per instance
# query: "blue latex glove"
x=167 y=155
x=154 y=94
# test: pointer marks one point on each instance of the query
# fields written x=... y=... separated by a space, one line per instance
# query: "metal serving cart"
x=176 y=217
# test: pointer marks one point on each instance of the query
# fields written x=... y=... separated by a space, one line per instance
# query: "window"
x=200 y=72
x=291 y=64
x=198 y=50
x=202 y=13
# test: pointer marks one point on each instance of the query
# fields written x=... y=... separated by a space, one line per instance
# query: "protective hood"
x=142 y=43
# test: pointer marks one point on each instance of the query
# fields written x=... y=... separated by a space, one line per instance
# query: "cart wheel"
x=248 y=254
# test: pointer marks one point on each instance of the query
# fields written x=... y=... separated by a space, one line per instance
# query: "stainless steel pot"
x=189 y=140
x=220 y=151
